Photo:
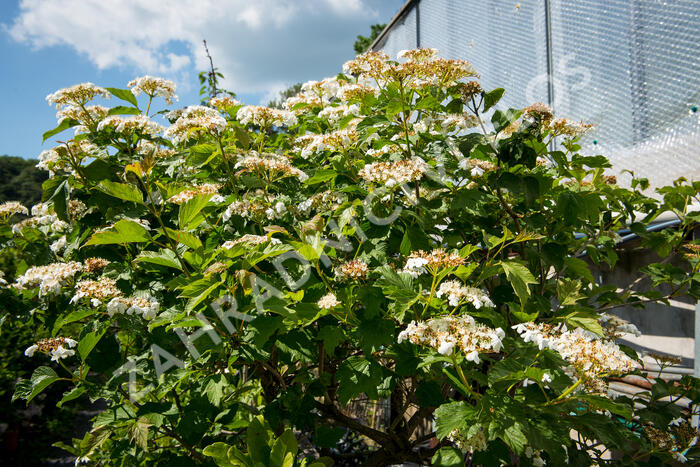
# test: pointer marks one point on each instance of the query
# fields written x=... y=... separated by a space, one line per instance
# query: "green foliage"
x=261 y=269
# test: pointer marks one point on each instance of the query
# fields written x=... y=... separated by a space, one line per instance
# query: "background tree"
x=362 y=43
x=21 y=180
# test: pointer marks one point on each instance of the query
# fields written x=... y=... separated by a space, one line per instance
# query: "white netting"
x=628 y=66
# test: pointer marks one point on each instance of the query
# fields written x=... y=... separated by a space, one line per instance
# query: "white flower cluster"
x=582 y=349
x=335 y=113
x=205 y=189
x=254 y=208
x=386 y=149
x=352 y=270
x=446 y=333
x=194 y=120
x=535 y=456
x=154 y=87
x=476 y=167
x=76 y=95
x=57 y=347
x=328 y=301
x=58 y=245
x=394 y=173
x=265 y=117
x=152 y=149
x=224 y=102
x=356 y=92
x=89 y=115
x=9 y=208
x=41 y=216
x=476 y=442
x=336 y=141
x=129 y=125
x=457 y=292
x=251 y=240
x=49 y=278
x=276 y=165
x=144 y=306
x=325 y=200
x=419 y=262
x=453 y=123
x=615 y=326
x=97 y=291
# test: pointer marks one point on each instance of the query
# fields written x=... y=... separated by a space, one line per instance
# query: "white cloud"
x=256 y=45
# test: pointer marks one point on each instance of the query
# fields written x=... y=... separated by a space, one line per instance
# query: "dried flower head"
x=539 y=113
x=564 y=127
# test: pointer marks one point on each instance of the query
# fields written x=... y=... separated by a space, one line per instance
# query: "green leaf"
x=453 y=416
x=64 y=125
x=448 y=457
x=320 y=176
x=60 y=201
x=519 y=277
x=124 y=110
x=214 y=389
x=185 y=238
x=188 y=215
x=219 y=451
x=88 y=342
x=583 y=319
x=122 y=232
x=41 y=378
x=258 y=440
x=71 y=318
x=568 y=291
x=491 y=98
x=284 y=450
x=501 y=119
x=514 y=437
x=161 y=257
x=72 y=395
x=121 y=191
x=580 y=267
x=138 y=432
x=125 y=95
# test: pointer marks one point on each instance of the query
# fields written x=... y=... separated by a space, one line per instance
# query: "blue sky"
x=261 y=47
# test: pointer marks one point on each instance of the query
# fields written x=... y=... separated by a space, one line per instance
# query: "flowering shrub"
x=229 y=282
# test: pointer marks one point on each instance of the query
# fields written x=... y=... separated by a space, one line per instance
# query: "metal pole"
x=418 y=25
x=550 y=59
x=695 y=421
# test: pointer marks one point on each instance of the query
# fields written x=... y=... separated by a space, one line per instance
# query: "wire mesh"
x=628 y=66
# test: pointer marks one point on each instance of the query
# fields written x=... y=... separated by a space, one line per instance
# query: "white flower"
x=328 y=301
x=30 y=350
x=60 y=353
x=154 y=87
x=446 y=348
x=473 y=356
x=546 y=379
